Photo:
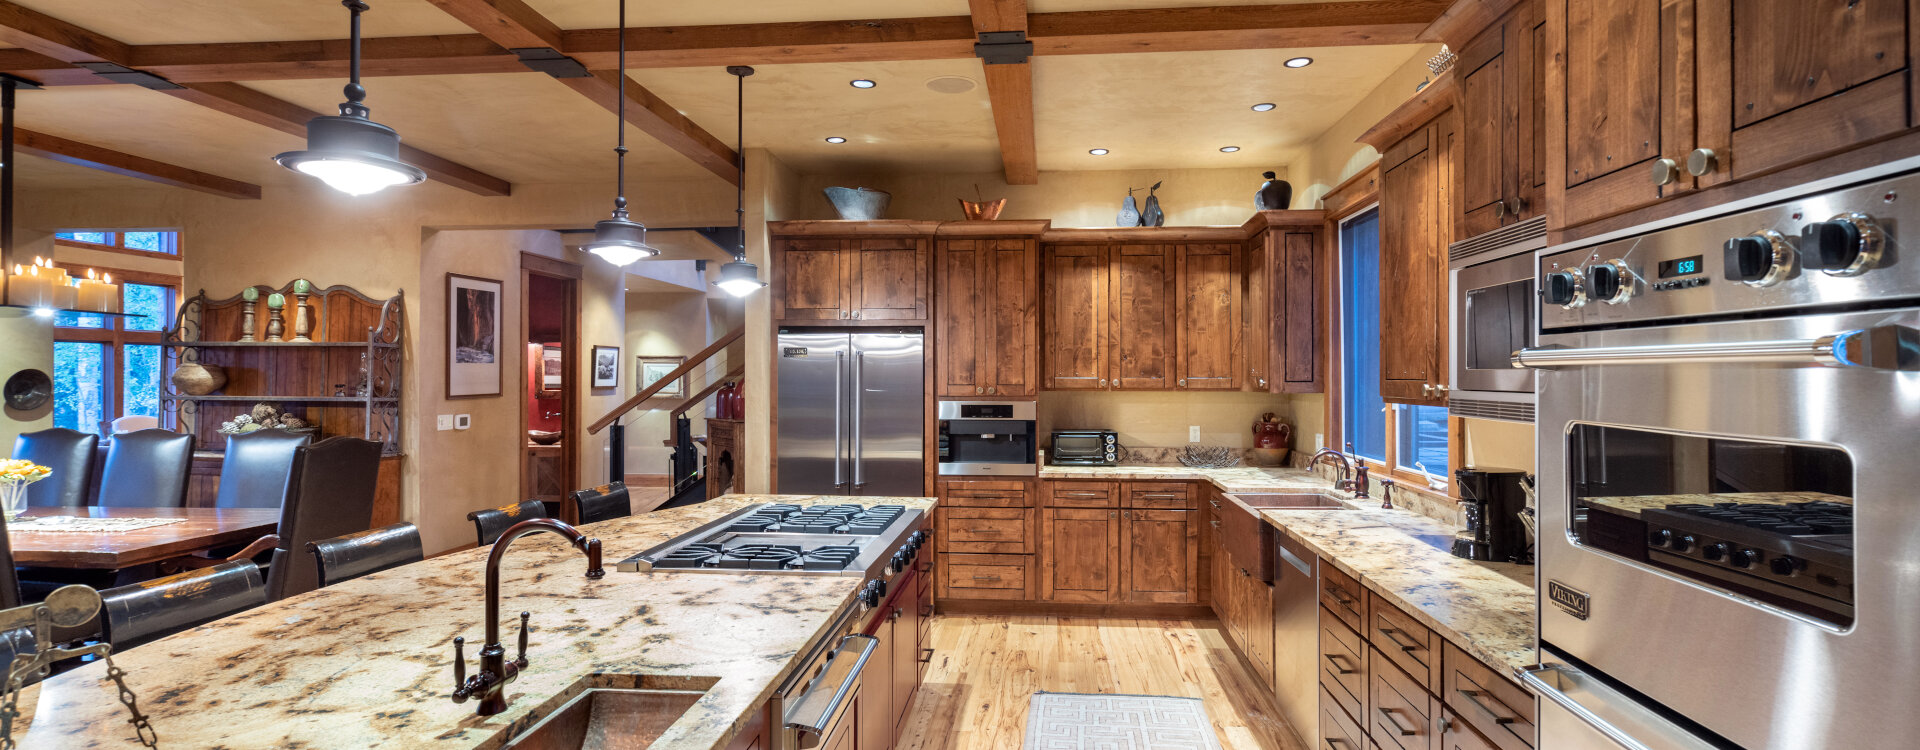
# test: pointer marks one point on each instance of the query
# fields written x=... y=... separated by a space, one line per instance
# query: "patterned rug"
x=1078 y=721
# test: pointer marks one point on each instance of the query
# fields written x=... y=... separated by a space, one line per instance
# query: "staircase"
x=692 y=482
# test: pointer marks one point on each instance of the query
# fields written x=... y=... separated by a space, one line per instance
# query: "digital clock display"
x=1680 y=267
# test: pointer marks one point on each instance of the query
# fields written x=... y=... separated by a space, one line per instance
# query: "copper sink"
x=1292 y=501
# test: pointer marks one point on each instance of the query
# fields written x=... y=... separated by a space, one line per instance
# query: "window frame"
x=117 y=338
x=119 y=243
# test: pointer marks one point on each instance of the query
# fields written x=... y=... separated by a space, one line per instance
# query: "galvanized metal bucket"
x=858 y=203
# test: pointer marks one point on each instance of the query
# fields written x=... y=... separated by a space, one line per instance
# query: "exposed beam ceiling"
x=511 y=24
x=68 y=43
x=107 y=160
x=1010 y=91
x=944 y=37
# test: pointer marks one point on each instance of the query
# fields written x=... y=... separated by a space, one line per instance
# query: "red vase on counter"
x=1271 y=439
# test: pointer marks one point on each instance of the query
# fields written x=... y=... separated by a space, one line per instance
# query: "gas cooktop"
x=783 y=538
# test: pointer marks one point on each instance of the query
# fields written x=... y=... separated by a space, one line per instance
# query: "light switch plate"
x=462 y=421
x=1193 y=433
x=444 y=422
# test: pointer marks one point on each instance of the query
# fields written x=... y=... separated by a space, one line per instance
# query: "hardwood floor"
x=986 y=667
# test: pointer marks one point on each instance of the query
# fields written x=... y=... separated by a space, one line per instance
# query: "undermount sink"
x=609 y=718
x=1442 y=542
x=1292 y=501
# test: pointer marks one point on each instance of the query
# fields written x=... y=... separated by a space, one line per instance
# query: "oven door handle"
x=1609 y=712
x=1887 y=347
x=816 y=711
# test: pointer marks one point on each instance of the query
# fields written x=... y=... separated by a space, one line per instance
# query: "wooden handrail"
x=684 y=368
x=736 y=372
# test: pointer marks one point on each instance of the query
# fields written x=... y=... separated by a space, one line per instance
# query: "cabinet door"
x=1487 y=136
x=1209 y=318
x=1614 y=65
x=906 y=648
x=1010 y=279
x=960 y=308
x=1297 y=338
x=873 y=710
x=1257 y=326
x=1259 y=625
x=812 y=283
x=1143 y=305
x=1412 y=269
x=1077 y=333
x=1159 y=552
x=889 y=278
x=1081 y=561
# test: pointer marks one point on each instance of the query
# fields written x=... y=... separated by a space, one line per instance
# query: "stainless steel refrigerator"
x=852 y=415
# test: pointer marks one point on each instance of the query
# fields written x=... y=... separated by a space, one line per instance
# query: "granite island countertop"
x=1231 y=479
x=369 y=662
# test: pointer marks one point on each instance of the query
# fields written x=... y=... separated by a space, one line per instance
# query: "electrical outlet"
x=462 y=421
x=1193 y=433
x=1319 y=440
x=444 y=422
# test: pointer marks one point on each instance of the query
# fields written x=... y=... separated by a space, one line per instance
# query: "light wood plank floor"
x=985 y=668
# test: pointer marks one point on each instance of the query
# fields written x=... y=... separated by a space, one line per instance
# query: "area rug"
x=1079 y=721
x=83 y=524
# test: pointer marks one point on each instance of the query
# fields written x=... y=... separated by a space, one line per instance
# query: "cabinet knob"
x=1500 y=209
x=1183 y=382
x=1702 y=162
x=992 y=389
x=1665 y=171
x=1426 y=389
x=978 y=389
x=1113 y=514
x=1103 y=382
x=1263 y=382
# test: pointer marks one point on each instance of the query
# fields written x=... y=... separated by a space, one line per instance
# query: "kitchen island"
x=369 y=662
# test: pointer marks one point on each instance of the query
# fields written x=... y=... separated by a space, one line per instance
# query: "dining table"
x=201 y=529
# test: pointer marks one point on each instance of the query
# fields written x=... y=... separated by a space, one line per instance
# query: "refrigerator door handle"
x=1619 y=718
x=859 y=466
x=839 y=471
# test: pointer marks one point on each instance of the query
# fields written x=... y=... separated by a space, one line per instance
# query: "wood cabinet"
x=1142 y=308
x=1075 y=318
x=1415 y=194
x=1503 y=123
x=1283 y=337
x=1159 y=554
x=986 y=319
x=856 y=279
x=1081 y=557
x=1143 y=316
x=1208 y=318
x=1245 y=607
x=892 y=674
x=985 y=536
x=1102 y=544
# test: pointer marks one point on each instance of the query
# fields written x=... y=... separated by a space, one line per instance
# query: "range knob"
x=1758 y=260
x=1567 y=289
x=1610 y=282
x=1746 y=558
x=1714 y=551
x=871 y=594
x=1683 y=543
x=1785 y=566
x=1660 y=538
x=1846 y=245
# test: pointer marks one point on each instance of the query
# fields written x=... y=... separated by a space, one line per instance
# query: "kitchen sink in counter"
x=1232 y=479
x=369 y=662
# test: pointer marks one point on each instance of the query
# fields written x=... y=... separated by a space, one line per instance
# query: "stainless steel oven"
x=987 y=438
x=1728 y=422
x=1492 y=292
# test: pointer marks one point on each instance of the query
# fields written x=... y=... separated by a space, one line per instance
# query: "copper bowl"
x=982 y=210
x=543 y=437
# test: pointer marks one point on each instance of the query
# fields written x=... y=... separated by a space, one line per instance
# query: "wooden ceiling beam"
x=508 y=23
x=1010 y=92
x=1328 y=24
x=108 y=160
x=46 y=35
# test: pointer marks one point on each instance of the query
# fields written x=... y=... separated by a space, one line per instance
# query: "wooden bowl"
x=543 y=437
x=982 y=210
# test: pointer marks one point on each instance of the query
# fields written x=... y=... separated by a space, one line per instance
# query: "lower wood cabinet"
x=1159 y=556
x=892 y=675
x=1081 y=562
x=1400 y=712
x=1456 y=735
x=1096 y=547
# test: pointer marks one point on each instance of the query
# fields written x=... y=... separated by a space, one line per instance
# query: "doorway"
x=550 y=408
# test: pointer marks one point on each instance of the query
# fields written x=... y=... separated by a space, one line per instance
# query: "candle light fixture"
x=740 y=278
x=618 y=239
x=349 y=151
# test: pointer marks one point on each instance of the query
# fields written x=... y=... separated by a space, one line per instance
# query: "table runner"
x=86 y=524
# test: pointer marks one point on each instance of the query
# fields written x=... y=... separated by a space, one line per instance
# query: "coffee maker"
x=1493 y=500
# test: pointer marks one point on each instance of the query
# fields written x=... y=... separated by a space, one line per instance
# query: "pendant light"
x=618 y=239
x=348 y=151
x=740 y=278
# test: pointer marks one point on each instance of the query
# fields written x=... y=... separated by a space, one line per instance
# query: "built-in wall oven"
x=1728 y=423
x=1492 y=292
x=987 y=438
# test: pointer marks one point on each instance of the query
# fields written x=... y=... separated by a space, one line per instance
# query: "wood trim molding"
x=1262 y=220
x=78 y=245
x=66 y=151
x=1144 y=235
x=1464 y=20
x=550 y=266
x=1351 y=196
x=843 y=228
x=996 y=228
x=1416 y=111
x=149 y=278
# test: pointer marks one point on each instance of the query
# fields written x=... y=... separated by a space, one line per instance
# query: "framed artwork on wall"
x=652 y=369
x=473 y=336
x=606 y=366
x=552 y=369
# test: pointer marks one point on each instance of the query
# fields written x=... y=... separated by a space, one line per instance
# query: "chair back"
x=70 y=454
x=256 y=468
x=133 y=424
x=17 y=642
x=150 y=610
x=344 y=558
x=329 y=494
x=147 y=469
x=607 y=501
x=9 y=577
x=493 y=522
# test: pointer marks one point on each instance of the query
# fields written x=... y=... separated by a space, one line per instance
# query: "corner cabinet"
x=851 y=272
x=986 y=314
x=1285 y=303
x=1416 y=180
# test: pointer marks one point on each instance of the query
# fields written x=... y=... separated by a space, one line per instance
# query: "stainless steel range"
x=841 y=540
x=1729 y=412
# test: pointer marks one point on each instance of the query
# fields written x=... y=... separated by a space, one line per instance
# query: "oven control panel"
x=1826 y=249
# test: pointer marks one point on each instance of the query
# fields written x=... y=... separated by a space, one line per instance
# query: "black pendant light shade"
x=740 y=278
x=349 y=151
x=618 y=239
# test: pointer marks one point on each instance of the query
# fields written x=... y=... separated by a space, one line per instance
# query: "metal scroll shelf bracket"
x=1887 y=347
x=66 y=607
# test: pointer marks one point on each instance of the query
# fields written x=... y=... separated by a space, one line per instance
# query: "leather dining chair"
x=146 y=469
x=70 y=454
x=605 y=502
x=344 y=558
x=256 y=468
x=489 y=524
x=330 y=493
x=9 y=578
x=150 y=610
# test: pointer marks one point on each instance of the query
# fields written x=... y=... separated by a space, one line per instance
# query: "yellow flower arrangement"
x=22 y=471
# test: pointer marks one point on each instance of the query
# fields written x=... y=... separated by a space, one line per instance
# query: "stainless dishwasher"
x=1296 y=635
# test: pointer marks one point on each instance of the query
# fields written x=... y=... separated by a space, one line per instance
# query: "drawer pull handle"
x=986 y=578
x=1334 y=743
x=1404 y=646
x=986 y=531
x=1081 y=494
x=1164 y=496
x=1397 y=726
x=1214 y=503
x=1339 y=595
x=926 y=656
x=1335 y=660
x=1215 y=522
x=1473 y=696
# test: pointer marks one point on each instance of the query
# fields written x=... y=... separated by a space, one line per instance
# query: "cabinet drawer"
x=986 y=576
x=1404 y=640
x=976 y=493
x=1002 y=531
x=1167 y=495
x=1457 y=735
x=1399 y=710
x=1342 y=595
x=1343 y=664
x=1083 y=494
x=1338 y=731
x=1501 y=710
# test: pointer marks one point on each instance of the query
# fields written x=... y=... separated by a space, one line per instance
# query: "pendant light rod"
x=740 y=73
x=618 y=239
x=356 y=93
x=620 y=122
x=7 y=87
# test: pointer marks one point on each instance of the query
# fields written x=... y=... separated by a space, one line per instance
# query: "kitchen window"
x=1412 y=440
x=109 y=366
x=163 y=242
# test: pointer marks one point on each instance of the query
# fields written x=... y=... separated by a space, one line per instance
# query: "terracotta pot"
x=982 y=210
x=195 y=379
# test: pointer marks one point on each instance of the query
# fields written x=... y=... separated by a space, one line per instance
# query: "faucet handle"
x=521 y=660
x=460 y=691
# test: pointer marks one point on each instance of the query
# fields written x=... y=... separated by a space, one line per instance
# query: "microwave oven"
x=1493 y=315
x=1085 y=448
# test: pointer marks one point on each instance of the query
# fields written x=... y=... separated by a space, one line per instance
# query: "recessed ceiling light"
x=1098 y=152
x=863 y=83
x=836 y=139
x=1299 y=62
x=1263 y=107
x=1229 y=149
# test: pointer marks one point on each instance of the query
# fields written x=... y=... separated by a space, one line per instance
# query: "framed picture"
x=552 y=368
x=652 y=369
x=606 y=366
x=473 y=336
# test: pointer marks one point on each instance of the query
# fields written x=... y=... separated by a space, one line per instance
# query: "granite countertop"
x=369 y=662
x=1232 y=479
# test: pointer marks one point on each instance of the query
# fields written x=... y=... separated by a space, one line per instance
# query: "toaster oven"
x=1085 y=448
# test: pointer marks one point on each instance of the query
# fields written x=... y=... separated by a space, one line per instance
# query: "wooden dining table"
x=204 y=528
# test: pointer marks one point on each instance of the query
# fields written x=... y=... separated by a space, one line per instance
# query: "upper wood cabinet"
x=1142 y=316
x=1209 y=321
x=1503 y=123
x=1142 y=306
x=872 y=272
x=1415 y=200
x=986 y=321
x=811 y=280
x=1285 y=281
x=888 y=278
x=1075 y=318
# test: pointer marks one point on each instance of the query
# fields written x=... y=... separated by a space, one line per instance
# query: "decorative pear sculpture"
x=1129 y=212
x=1152 y=216
x=1274 y=195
